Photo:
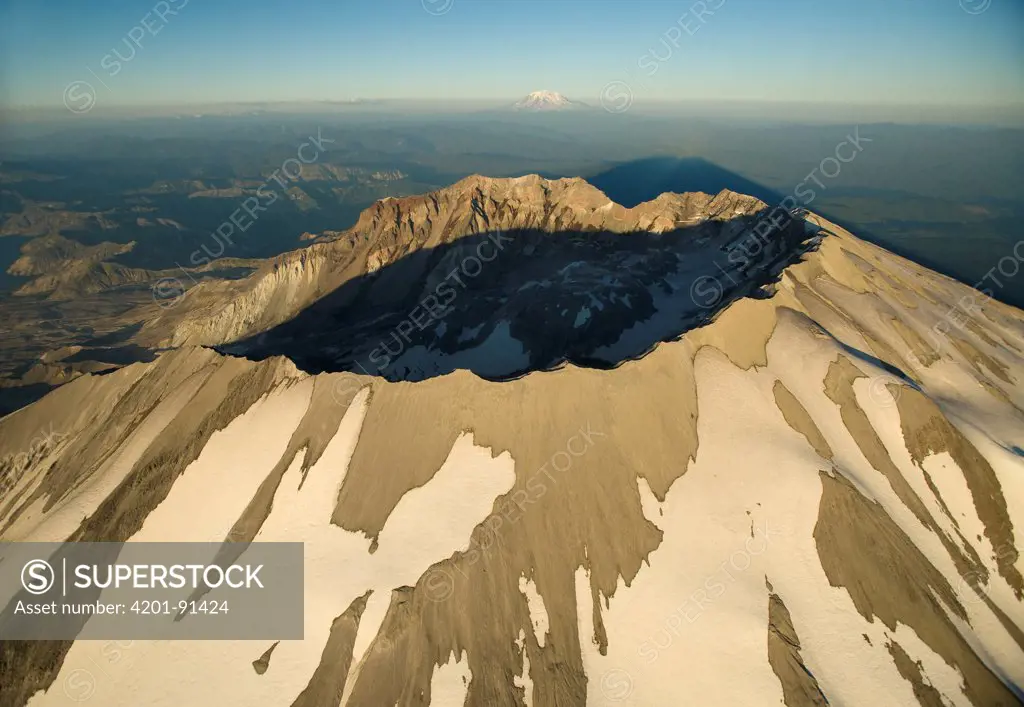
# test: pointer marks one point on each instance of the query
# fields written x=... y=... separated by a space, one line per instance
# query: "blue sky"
x=847 y=51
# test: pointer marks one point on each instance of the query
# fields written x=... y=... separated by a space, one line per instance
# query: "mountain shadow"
x=637 y=181
x=502 y=304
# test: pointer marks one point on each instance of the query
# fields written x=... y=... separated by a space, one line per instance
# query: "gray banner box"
x=48 y=592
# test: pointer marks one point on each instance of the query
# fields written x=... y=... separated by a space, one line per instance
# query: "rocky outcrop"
x=64 y=269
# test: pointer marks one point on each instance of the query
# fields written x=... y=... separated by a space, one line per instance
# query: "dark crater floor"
x=504 y=304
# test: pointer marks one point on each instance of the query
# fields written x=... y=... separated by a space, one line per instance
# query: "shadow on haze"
x=504 y=304
x=635 y=182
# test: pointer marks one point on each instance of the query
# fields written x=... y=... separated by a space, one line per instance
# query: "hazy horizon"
x=797 y=112
x=966 y=57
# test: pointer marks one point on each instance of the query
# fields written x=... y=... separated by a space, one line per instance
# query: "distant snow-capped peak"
x=545 y=100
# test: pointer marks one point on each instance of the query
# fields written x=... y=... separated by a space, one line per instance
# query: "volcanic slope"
x=815 y=497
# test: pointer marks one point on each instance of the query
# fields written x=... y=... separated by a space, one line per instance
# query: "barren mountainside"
x=642 y=457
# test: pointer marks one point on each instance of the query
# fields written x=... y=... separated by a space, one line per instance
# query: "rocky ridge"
x=222 y=311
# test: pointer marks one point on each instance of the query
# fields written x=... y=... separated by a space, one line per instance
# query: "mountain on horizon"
x=544 y=101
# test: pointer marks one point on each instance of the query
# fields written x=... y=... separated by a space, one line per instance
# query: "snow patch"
x=538 y=612
x=449 y=684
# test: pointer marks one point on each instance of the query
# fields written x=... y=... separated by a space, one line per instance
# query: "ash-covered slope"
x=813 y=498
